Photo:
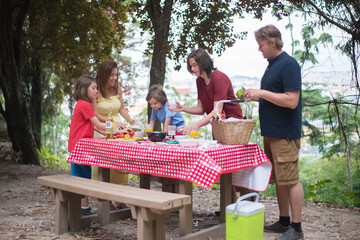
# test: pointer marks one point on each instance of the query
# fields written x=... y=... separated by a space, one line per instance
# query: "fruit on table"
x=127 y=136
x=131 y=133
x=240 y=93
x=120 y=135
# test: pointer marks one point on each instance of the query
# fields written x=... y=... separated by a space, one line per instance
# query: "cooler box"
x=245 y=219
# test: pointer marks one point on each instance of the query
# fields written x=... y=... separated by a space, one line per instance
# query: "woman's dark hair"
x=103 y=75
x=156 y=92
x=82 y=86
x=203 y=60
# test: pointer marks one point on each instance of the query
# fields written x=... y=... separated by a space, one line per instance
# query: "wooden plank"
x=92 y=184
x=215 y=232
x=114 y=216
x=149 y=198
x=118 y=193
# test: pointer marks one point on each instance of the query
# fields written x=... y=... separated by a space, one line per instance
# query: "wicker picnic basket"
x=238 y=132
x=233 y=132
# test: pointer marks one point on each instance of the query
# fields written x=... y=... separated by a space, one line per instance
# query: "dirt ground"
x=27 y=210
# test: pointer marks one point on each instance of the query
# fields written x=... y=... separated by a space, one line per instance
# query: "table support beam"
x=225 y=194
x=185 y=213
x=104 y=206
x=145 y=180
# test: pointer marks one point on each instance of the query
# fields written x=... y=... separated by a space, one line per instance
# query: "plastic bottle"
x=109 y=132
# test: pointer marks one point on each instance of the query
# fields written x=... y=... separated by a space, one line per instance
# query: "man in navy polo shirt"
x=280 y=122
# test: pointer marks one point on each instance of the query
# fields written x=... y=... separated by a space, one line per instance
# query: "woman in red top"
x=83 y=123
x=212 y=86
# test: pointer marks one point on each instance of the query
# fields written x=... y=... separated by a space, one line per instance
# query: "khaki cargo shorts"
x=284 y=155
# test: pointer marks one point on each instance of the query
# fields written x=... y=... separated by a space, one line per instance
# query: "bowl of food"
x=156 y=136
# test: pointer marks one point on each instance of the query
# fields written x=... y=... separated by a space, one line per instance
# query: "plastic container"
x=245 y=219
x=139 y=134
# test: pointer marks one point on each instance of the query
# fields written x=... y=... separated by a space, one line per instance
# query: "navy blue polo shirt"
x=283 y=74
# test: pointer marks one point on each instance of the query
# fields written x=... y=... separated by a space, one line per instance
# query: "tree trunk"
x=22 y=129
x=15 y=112
x=18 y=121
x=53 y=130
x=160 y=18
x=36 y=96
x=348 y=158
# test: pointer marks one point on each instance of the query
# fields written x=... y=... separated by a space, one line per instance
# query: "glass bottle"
x=109 y=124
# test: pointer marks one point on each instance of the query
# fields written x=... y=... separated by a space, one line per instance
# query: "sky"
x=245 y=59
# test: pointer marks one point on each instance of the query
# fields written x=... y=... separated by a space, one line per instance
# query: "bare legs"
x=290 y=197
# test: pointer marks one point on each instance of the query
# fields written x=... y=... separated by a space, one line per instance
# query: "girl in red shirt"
x=83 y=123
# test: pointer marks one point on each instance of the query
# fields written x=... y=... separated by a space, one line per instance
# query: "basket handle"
x=230 y=101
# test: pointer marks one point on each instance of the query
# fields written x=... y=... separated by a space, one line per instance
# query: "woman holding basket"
x=212 y=86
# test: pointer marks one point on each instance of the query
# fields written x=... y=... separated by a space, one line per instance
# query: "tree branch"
x=331 y=102
x=322 y=14
x=350 y=13
x=355 y=4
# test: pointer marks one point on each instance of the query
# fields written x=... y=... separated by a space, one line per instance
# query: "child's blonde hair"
x=156 y=92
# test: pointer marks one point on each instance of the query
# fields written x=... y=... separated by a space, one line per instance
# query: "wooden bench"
x=147 y=206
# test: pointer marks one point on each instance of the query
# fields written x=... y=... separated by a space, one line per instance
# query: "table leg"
x=145 y=180
x=185 y=213
x=225 y=194
x=104 y=206
x=104 y=174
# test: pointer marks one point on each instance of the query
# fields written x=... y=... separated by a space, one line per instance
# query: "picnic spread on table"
x=200 y=165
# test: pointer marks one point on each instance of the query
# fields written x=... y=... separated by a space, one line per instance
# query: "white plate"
x=189 y=142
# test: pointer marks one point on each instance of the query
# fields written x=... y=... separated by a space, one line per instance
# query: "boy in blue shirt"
x=160 y=110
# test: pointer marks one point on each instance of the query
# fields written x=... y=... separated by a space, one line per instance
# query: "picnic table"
x=240 y=165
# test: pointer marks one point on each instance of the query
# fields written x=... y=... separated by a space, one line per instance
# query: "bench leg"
x=151 y=226
x=67 y=212
x=61 y=214
x=74 y=218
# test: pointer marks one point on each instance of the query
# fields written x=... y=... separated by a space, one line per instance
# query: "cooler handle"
x=253 y=194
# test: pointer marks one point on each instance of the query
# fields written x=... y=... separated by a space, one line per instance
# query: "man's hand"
x=252 y=94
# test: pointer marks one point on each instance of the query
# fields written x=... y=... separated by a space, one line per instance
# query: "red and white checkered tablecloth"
x=201 y=166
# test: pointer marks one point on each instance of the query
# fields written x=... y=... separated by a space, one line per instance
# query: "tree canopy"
x=179 y=26
x=344 y=15
x=40 y=38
